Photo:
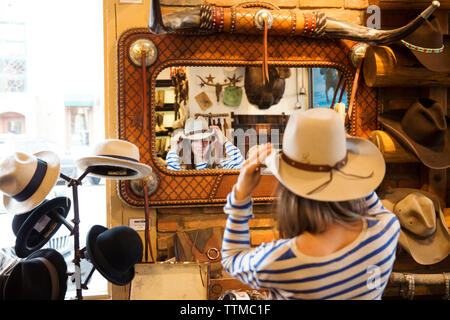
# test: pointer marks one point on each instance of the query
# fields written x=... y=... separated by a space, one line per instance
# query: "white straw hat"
x=114 y=159
x=318 y=162
x=26 y=180
x=196 y=129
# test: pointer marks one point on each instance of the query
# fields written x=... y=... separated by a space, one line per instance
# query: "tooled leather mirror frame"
x=209 y=187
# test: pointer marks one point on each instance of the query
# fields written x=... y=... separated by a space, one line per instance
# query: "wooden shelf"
x=164 y=133
x=166 y=107
x=164 y=83
x=392 y=151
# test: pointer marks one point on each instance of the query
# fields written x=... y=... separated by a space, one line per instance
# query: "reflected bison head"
x=265 y=95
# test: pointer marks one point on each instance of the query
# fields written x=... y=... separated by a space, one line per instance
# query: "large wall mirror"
x=208 y=87
x=209 y=117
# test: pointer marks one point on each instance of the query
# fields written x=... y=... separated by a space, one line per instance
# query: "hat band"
x=322 y=168
x=53 y=277
x=421 y=49
x=191 y=133
x=34 y=183
x=118 y=157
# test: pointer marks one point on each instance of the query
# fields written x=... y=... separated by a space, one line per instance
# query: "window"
x=12 y=56
x=51 y=95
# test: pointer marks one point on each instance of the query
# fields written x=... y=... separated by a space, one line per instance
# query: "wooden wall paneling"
x=437 y=182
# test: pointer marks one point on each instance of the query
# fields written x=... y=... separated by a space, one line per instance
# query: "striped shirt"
x=358 y=271
x=233 y=160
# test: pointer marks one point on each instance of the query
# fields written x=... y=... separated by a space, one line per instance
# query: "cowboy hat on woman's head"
x=319 y=162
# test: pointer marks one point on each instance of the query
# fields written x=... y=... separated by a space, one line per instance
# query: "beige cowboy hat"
x=319 y=162
x=424 y=233
x=195 y=129
x=27 y=179
x=114 y=159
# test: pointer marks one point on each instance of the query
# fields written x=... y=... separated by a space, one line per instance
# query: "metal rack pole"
x=74 y=183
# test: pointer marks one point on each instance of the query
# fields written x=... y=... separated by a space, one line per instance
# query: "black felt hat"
x=41 y=276
x=424 y=129
x=114 y=252
x=35 y=228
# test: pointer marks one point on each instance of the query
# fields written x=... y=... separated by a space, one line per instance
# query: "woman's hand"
x=175 y=141
x=250 y=176
x=219 y=134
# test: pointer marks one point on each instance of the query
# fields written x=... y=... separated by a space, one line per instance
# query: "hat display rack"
x=113 y=159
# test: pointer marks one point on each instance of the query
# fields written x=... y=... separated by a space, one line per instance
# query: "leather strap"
x=322 y=168
x=354 y=90
x=265 y=64
x=336 y=90
x=314 y=167
x=148 y=246
x=144 y=92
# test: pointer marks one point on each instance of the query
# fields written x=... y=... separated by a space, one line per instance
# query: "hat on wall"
x=424 y=129
x=196 y=129
x=429 y=46
x=114 y=159
x=26 y=180
x=319 y=162
x=424 y=232
x=41 y=276
x=114 y=252
x=35 y=228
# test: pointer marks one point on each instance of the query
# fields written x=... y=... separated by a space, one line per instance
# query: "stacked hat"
x=26 y=180
x=424 y=233
x=114 y=159
x=41 y=276
x=114 y=252
x=35 y=228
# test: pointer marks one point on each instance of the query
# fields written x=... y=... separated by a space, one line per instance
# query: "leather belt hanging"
x=147 y=246
x=144 y=90
x=350 y=108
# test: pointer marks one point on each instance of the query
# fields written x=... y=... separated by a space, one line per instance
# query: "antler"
x=206 y=18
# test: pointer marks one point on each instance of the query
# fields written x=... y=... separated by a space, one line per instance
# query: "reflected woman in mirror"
x=200 y=146
x=337 y=241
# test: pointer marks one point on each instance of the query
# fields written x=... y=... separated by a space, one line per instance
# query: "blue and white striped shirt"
x=358 y=271
x=233 y=160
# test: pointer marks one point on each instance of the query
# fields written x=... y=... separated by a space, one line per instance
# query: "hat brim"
x=364 y=158
x=438 y=62
x=425 y=251
x=197 y=136
x=23 y=247
x=100 y=263
x=114 y=169
x=47 y=184
x=435 y=157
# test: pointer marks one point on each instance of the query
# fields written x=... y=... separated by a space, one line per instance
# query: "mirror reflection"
x=209 y=117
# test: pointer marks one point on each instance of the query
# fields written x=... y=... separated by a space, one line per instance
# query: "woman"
x=337 y=240
x=200 y=146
